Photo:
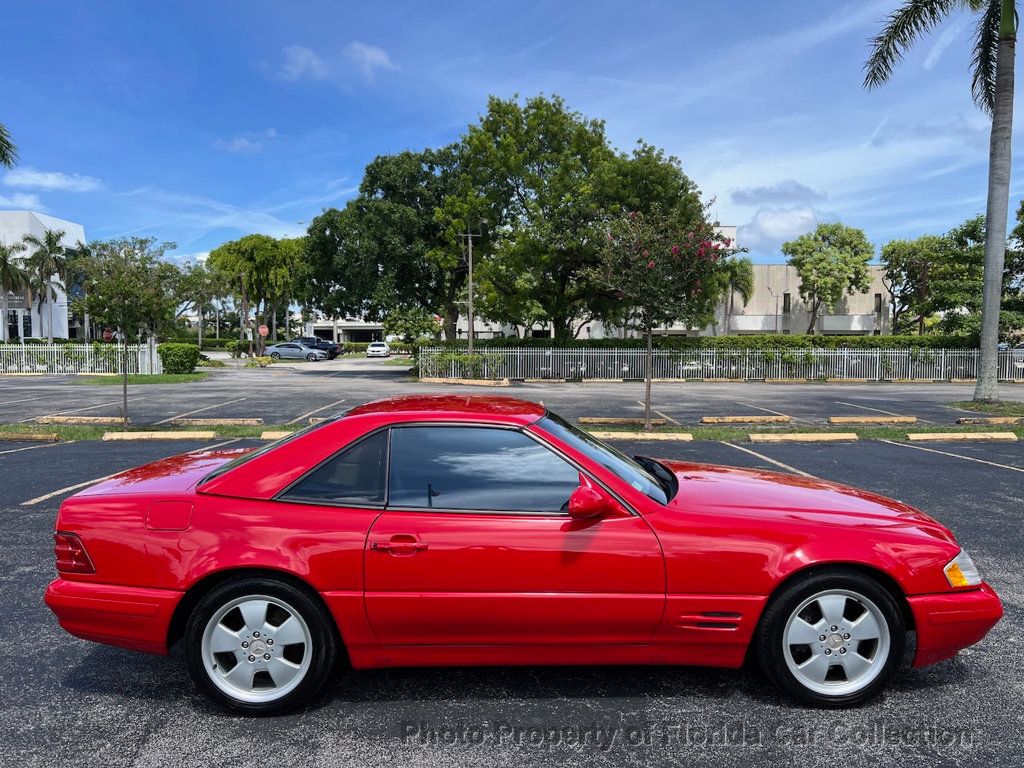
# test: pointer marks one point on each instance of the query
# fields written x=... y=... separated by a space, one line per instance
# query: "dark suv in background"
x=316 y=342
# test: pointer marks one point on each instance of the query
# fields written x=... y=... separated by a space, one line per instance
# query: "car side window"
x=354 y=476
x=476 y=469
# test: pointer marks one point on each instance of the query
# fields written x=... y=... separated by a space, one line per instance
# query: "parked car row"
x=313 y=348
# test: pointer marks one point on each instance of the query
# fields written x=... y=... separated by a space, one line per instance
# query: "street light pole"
x=472 y=320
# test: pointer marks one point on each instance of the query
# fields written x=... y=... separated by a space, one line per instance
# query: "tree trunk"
x=3 y=315
x=124 y=380
x=814 y=317
x=996 y=210
x=273 y=322
x=200 y=329
x=49 y=310
x=451 y=322
x=647 y=378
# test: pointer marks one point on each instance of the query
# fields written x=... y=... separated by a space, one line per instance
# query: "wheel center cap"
x=258 y=647
x=835 y=640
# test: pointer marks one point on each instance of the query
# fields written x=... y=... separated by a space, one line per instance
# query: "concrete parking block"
x=90 y=420
x=33 y=437
x=780 y=419
x=617 y=420
x=194 y=435
x=468 y=382
x=992 y=420
x=872 y=419
x=271 y=435
x=962 y=437
x=802 y=437
x=685 y=436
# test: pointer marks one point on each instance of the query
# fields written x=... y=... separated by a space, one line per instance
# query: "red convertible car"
x=451 y=530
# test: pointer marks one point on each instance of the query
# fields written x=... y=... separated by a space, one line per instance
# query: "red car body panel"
x=682 y=583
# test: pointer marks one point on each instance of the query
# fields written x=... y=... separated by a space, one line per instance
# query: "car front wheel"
x=276 y=355
x=832 y=640
x=311 y=357
x=260 y=646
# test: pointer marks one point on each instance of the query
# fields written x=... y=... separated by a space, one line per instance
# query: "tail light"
x=71 y=554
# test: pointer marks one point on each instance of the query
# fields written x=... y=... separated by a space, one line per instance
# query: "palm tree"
x=739 y=276
x=992 y=66
x=8 y=152
x=12 y=278
x=47 y=260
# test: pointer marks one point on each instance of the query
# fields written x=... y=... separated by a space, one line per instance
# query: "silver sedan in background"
x=295 y=351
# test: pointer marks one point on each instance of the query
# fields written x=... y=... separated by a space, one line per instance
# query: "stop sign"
x=107 y=334
x=263 y=330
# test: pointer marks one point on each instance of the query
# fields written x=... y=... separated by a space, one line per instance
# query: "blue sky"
x=198 y=122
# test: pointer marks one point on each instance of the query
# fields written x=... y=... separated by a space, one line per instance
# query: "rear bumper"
x=947 y=623
x=129 y=617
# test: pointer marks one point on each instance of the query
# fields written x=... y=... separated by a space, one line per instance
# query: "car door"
x=291 y=351
x=475 y=547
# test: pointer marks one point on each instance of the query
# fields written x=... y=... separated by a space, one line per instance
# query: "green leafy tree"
x=47 y=264
x=396 y=246
x=410 y=324
x=661 y=269
x=992 y=76
x=8 y=152
x=198 y=287
x=909 y=265
x=738 y=273
x=131 y=288
x=832 y=262
x=13 y=278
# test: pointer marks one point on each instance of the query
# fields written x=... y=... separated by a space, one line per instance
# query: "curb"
x=684 y=436
x=271 y=435
x=803 y=437
x=218 y=422
x=159 y=435
x=918 y=437
x=744 y=420
x=872 y=419
x=618 y=420
x=31 y=437
x=469 y=382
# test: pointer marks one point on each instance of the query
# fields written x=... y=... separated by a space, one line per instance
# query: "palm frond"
x=902 y=29
x=8 y=152
x=983 y=61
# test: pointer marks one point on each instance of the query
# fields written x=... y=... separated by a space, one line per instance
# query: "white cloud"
x=770 y=227
x=945 y=40
x=781 y=193
x=30 y=178
x=301 y=63
x=22 y=201
x=245 y=142
x=368 y=58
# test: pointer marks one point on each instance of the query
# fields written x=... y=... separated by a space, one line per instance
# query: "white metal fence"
x=78 y=358
x=520 y=363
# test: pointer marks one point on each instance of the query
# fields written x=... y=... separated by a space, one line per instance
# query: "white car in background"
x=378 y=349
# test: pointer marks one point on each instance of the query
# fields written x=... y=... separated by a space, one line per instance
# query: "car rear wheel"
x=260 y=646
x=831 y=640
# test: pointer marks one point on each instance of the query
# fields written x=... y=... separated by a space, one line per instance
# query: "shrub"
x=178 y=358
x=236 y=348
x=261 y=361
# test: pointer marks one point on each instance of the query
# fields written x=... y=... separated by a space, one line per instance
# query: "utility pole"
x=469 y=235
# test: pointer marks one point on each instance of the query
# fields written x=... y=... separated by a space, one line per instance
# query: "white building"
x=26 y=318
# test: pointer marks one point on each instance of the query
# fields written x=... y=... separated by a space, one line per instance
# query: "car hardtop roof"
x=495 y=406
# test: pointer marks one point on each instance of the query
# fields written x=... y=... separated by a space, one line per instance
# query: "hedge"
x=753 y=341
x=178 y=358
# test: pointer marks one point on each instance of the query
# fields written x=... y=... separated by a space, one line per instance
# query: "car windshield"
x=647 y=481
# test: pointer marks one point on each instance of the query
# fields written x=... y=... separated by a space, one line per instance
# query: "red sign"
x=263 y=330
x=107 y=334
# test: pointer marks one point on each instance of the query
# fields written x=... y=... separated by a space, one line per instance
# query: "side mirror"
x=589 y=500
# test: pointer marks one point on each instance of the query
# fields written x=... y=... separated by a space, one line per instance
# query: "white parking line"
x=770 y=460
x=19 y=400
x=198 y=410
x=79 y=410
x=955 y=455
x=33 y=447
x=877 y=410
x=768 y=410
x=297 y=419
x=76 y=486
x=667 y=418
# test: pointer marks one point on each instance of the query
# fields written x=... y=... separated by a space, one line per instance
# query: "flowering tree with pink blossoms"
x=662 y=271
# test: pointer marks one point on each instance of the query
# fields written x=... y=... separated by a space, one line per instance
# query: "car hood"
x=759 y=493
x=174 y=474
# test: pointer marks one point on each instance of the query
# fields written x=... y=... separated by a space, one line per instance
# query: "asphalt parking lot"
x=69 y=702
x=294 y=394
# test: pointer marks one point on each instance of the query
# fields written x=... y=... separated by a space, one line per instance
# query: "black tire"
x=276 y=355
x=311 y=357
x=775 y=656
x=322 y=655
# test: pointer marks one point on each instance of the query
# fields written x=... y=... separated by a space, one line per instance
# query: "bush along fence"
x=519 y=363
x=78 y=358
